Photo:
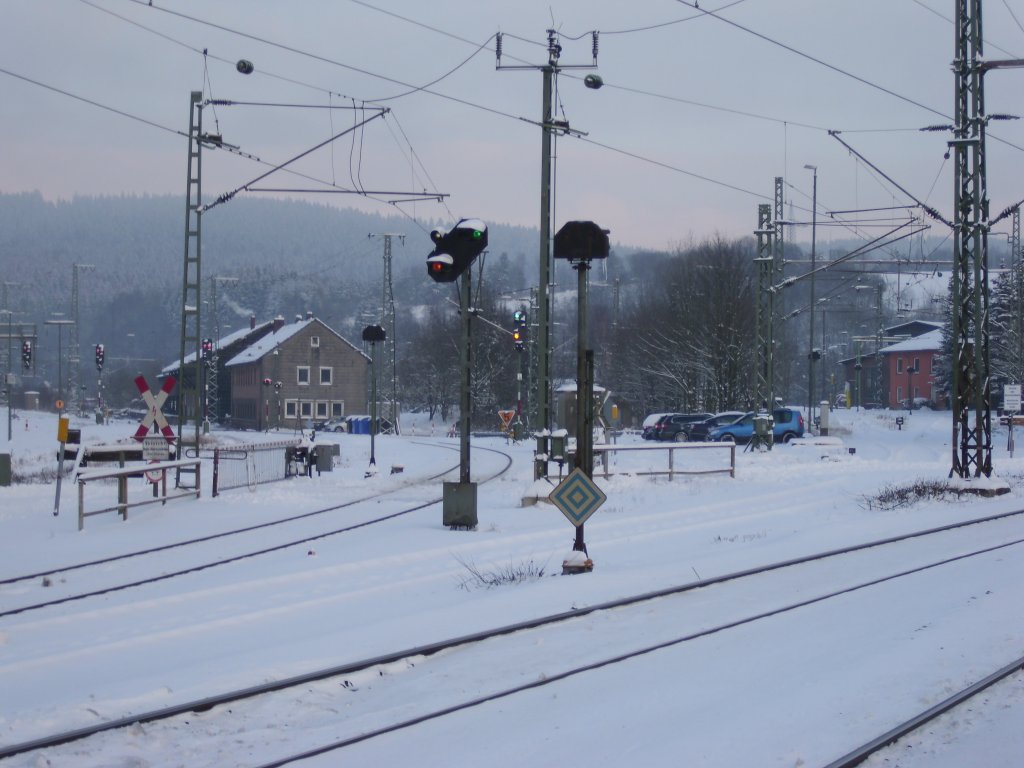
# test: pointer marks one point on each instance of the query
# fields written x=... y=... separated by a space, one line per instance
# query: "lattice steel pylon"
x=778 y=269
x=971 y=387
x=389 y=368
x=763 y=317
x=1017 y=270
x=191 y=287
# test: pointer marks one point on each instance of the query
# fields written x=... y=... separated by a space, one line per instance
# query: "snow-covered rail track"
x=226 y=547
x=890 y=737
x=795 y=584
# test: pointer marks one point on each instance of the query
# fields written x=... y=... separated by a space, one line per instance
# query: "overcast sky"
x=696 y=119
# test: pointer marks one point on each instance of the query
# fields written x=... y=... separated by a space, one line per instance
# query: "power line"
x=1015 y=19
x=93 y=103
x=809 y=57
x=927 y=208
x=953 y=23
x=674 y=168
x=425 y=89
x=204 y=51
x=714 y=107
x=326 y=60
x=833 y=67
x=650 y=27
x=453 y=70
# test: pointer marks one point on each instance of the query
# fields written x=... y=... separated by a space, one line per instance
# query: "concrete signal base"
x=577 y=562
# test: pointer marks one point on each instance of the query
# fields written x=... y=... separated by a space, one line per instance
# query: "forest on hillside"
x=671 y=330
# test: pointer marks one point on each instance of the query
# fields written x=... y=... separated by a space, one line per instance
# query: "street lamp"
x=810 y=351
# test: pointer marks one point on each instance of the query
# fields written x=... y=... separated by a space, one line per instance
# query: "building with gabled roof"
x=910 y=370
x=297 y=374
x=902 y=370
x=225 y=348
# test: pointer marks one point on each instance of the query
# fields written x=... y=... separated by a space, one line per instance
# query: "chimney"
x=252 y=322
x=278 y=323
x=309 y=315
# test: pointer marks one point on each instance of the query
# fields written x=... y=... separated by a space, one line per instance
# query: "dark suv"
x=673 y=427
x=698 y=431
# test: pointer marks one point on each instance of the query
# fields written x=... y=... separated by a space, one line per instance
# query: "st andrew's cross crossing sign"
x=578 y=497
x=153 y=406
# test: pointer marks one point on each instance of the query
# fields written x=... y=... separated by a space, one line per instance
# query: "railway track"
x=906 y=728
x=803 y=571
x=244 y=551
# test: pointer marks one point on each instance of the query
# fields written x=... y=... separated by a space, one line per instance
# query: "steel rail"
x=222 y=534
x=248 y=529
x=255 y=553
x=862 y=753
x=206 y=703
x=557 y=677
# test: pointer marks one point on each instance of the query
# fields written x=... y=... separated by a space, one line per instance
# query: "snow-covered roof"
x=222 y=343
x=570 y=386
x=895 y=330
x=255 y=351
x=268 y=343
x=931 y=341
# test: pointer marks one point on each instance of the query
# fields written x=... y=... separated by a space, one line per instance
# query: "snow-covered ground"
x=799 y=688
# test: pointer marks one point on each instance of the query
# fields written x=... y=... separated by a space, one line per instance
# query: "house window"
x=337 y=409
x=326 y=375
x=306 y=409
x=314 y=341
x=291 y=408
x=899 y=395
x=321 y=409
x=931 y=364
x=899 y=365
x=917 y=364
x=302 y=375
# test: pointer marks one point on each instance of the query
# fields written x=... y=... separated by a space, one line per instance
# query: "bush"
x=896 y=496
x=513 y=573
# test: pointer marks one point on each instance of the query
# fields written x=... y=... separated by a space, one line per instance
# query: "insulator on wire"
x=497 y=46
x=593 y=36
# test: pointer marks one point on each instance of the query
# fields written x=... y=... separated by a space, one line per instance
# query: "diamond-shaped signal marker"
x=578 y=497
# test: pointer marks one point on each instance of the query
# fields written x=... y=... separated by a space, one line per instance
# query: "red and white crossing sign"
x=154 y=403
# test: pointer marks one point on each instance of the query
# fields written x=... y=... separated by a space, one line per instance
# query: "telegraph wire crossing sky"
x=701 y=107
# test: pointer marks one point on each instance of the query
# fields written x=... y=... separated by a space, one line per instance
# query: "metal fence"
x=247 y=466
x=606 y=452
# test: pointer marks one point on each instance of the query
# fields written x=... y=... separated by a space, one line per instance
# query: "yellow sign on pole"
x=62 y=429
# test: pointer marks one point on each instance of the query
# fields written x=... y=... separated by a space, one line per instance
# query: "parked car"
x=917 y=403
x=698 y=431
x=789 y=423
x=673 y=427
x=647 y=430
x=332 y=425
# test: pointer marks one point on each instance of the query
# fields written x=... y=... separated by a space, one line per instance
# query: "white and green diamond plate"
x=578 y=497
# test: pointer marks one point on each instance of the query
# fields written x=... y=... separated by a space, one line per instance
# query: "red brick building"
x=910 y=370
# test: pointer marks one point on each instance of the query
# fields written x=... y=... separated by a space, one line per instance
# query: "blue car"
x=789 y=423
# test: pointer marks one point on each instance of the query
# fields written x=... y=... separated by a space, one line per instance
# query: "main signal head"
x=456 y=249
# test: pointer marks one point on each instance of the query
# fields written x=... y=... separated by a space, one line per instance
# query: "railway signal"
x=26 y=354
x=101 y=354
x=456 y=249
